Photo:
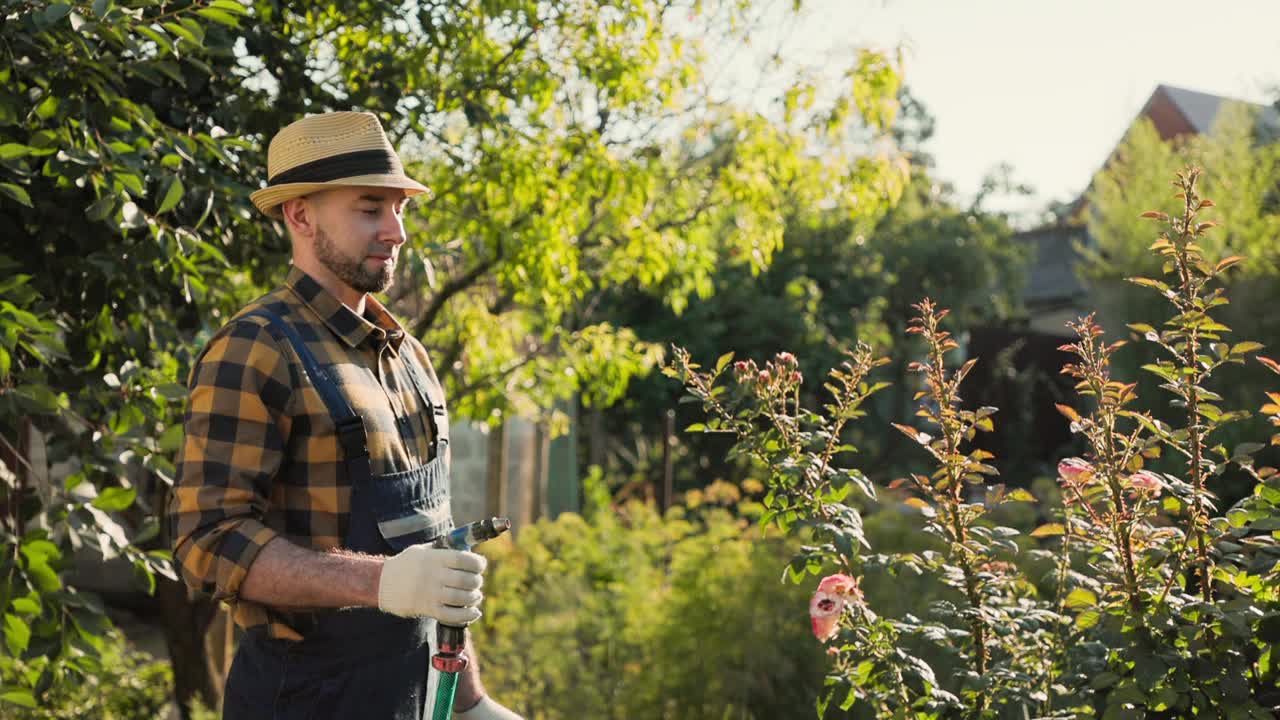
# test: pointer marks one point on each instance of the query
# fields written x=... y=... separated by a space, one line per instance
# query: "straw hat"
x=321 y=152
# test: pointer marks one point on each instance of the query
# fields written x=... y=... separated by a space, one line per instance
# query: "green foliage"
x=1242 y=167
x=834 y=281
x=111 y=181
x=126 y=685
x=625 y=614
x=1148 y=599
x=570 y=153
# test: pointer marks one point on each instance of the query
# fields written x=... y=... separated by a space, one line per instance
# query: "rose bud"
x=1075 y=471
x=1145 y=481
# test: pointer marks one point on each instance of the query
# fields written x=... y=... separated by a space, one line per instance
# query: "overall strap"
x=439 y=420
x=350 y=428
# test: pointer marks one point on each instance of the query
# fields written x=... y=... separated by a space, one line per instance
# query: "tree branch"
x=453 y=287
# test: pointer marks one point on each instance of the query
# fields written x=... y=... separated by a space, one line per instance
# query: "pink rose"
x=1075 y=471
x=828 y=603
x=1145 y=481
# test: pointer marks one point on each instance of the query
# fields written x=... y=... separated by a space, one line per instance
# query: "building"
x=1023 y=377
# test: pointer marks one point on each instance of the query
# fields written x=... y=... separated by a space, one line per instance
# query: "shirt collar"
x=351 y=328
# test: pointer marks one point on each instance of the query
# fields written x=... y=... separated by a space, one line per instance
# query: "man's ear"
x=300 y=215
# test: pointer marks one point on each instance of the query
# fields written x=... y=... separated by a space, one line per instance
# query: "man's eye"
x=369 y=212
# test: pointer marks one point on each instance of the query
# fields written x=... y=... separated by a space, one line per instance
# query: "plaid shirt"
x=260 y=457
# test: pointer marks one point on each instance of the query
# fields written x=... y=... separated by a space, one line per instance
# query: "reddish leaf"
x=1228 y=262
x=1275 y=366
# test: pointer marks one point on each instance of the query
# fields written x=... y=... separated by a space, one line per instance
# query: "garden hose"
x=450 y=659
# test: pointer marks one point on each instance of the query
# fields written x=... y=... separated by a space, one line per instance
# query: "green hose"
x=449 y=659
x=444 y=696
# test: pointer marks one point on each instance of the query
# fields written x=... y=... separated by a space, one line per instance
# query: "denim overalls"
x=360 y=662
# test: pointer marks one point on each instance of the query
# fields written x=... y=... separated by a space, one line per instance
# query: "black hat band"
x=336 y=167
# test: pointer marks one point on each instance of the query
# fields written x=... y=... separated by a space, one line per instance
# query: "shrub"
x=125 y=684
x=622 y=613
x=1145 y=600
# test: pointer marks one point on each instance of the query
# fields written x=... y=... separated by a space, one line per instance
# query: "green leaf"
x=724 y=360
x=17 y=635
x=1269 y=628
x=1104 y=680
x=1048 y=530
x=219 y=16
x=9 y=151
x=1020 y=495
x=17 y=193
x=1163 y=699
x=22 y=697
x=45 y=579
x=172 y=196
x=101 y=209
x=154 y=34
x=27 y=605
x=182 y=32
x=102 y=7
x=47 y=108
x=1080 y=598
x=44 y=397
x=55 y=12
x=172 y=70
x=115 y=498
x=230 y=6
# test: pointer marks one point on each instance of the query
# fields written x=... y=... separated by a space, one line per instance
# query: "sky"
x=1048 y=86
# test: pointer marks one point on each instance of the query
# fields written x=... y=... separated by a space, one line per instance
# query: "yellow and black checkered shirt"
x=260 y=457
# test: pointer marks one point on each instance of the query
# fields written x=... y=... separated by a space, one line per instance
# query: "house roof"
x=1051 y=277
x=1174 y=111
x=1200 y=110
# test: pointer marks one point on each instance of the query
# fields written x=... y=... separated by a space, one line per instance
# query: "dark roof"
x=1051 y=280
x=1051 y=277
x=1201 y=109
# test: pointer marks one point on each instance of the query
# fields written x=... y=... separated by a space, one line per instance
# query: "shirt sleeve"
x=236 y=429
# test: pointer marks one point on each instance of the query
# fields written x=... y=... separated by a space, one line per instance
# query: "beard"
x=352 y=271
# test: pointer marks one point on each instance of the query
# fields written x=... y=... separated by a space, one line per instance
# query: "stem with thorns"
x=1193 y=399
x=945 y=396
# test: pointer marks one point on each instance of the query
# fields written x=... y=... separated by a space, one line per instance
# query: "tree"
x=1242 y=161
x=571 y=149
x=833 y=281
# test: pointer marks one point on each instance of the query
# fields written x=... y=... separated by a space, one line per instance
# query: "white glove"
x=423 y=581
x=487 y=709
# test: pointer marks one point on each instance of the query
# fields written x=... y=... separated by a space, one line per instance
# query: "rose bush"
x=1141 y=597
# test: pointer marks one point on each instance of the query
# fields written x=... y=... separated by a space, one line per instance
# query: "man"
x=313 y=472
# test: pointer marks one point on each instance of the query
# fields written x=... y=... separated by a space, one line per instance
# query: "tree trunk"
x=199 y=670
x=496 y=486
x=197 y=673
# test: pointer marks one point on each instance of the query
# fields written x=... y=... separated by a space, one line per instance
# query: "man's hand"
x=487 y=709
x=423 y=581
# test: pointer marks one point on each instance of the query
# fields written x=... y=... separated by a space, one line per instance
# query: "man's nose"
x=391 y=230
